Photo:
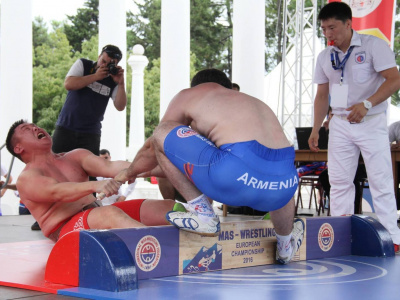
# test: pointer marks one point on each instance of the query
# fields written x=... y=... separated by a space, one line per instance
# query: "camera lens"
x=112 y=68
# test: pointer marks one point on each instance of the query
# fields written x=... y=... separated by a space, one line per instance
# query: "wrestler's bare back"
x=226 y=116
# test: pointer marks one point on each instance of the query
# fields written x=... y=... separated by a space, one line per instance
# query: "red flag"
x=375 y=17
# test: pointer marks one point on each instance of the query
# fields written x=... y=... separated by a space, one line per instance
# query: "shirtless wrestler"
x=221 y=144
x=57 y=191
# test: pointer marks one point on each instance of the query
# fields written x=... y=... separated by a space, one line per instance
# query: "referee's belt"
x=365 y=119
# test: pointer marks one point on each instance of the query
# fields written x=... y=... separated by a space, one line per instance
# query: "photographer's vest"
x=84 y=109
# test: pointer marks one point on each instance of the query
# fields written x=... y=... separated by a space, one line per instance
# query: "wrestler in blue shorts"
x=237 y=174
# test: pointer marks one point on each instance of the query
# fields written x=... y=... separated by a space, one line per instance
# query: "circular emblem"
x=360 y=59
x=185 y=132
x=148 y=253
x=362 y=8
x=326 y=237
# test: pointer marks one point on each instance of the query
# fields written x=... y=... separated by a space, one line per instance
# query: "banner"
x=375 y=17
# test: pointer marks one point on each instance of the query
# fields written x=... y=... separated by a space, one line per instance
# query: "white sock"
x=202 y=207
x=284 y=245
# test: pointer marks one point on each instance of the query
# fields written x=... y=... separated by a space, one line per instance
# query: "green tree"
x=211 y=25
x=144 y=28
x=85 y=24
x=152 y=97
x=90 y=48
x=210 y=29
x=151 y=94
x=211 y=40
x=51 y=63
x=39 y=32
x=396 y=48
x=53 y=56
x=273 y=33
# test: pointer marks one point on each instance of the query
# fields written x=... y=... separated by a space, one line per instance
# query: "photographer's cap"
x=112 y=51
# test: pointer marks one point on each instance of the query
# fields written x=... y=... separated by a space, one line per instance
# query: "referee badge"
x=360 y=57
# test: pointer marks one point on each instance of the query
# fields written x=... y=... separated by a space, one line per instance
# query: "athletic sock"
x=202 y=207
x=284 y=245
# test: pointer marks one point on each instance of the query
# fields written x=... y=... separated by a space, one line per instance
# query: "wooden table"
x=308 y=155
x=322 y=155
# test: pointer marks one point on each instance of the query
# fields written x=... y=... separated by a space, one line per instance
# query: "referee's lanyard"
x=337 y=64
x=339 y=93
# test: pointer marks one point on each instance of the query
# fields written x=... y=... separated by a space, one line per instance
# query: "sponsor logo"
x=185 y=132
x=188 y=167
x=326 y=237
x=148 y=253
x=79 y=224
x=360 y=57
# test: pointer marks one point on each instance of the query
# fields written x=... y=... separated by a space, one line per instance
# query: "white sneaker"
x=296 y=240
x=191 y=222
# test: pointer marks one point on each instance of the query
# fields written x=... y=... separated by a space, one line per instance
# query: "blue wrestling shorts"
x=239 y=174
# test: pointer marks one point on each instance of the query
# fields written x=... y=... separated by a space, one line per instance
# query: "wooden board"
x=240 y=244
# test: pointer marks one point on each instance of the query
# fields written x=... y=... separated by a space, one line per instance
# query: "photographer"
x=90 y=85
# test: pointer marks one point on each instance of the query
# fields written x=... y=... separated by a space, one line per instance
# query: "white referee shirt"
x=370 y=56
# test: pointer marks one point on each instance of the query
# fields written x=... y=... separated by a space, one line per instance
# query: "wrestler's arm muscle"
x=177 y=110
x=35 y=186
x=99 y=167
x=144 y=161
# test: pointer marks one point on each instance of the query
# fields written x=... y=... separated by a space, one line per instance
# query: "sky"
x=58 y=10
x=55 y=9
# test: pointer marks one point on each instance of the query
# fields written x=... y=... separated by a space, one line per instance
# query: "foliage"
x=211 y=40
x=144 y=28
x=152 y=97
x=210 y=26
x=152 y=94
x=90 y=48
x=39 y=32
x=396 y=46
x=210 y=31
x=48 y=115
x=273 y=33
x=84 y=25
x=52 y=61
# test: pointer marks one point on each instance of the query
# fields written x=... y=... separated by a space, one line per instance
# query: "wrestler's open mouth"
x=41 y=135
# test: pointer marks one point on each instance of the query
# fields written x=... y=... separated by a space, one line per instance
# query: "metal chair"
x=312 y=182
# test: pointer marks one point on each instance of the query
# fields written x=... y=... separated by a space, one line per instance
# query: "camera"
x=112 y=68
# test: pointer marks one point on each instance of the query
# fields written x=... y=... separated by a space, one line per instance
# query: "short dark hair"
x=9 y=140
x=211 y=75
x=104 y=151
x=112 y=51
x=337 y=10
x=235 y=85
